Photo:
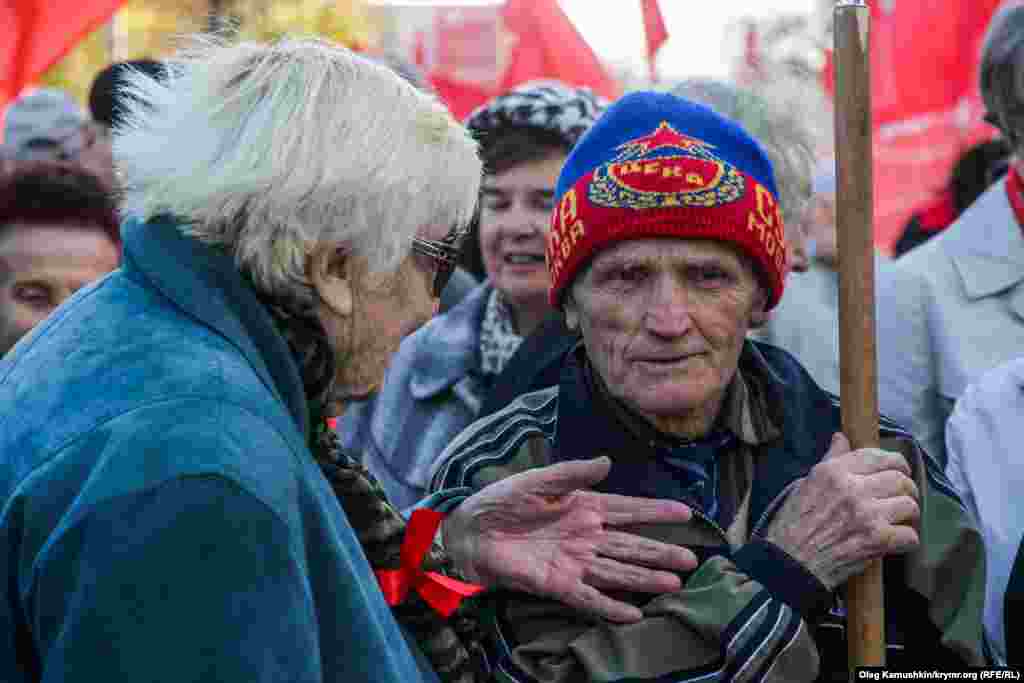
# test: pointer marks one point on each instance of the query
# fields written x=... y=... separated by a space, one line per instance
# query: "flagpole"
x=857 y=350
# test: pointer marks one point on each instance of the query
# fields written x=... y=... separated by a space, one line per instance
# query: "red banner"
x=927 y=109
x=476 y=53
x=34 y=34
x=655 y=32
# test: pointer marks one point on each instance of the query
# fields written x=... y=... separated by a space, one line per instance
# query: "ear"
x=759 y=314
x=330 y=272
x=572 y=313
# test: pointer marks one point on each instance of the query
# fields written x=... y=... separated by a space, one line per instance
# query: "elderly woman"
x=174 y=507
x=666 y=247
x=442 y=374
x=953 y=308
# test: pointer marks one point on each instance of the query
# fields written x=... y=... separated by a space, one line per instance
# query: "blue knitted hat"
x=658 y=165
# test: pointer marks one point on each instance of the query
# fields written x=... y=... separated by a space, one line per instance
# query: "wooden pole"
x=857 y=356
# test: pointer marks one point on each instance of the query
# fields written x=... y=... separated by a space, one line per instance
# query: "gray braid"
x=455 y=648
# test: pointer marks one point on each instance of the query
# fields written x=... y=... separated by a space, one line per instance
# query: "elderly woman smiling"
x=174 y=507
x=667 y=246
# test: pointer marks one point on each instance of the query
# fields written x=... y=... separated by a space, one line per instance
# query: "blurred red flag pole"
x=34 y=34
x=657 y=34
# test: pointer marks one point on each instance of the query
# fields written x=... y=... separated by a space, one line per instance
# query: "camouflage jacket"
x=749 y=611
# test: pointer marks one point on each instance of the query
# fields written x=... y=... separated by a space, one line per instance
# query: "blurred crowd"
x=261 y=305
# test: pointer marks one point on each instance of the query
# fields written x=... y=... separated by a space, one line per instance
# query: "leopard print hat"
x=551 y=106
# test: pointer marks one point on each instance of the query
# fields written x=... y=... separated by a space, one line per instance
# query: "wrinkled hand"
x=541 y=533
x=853 y=507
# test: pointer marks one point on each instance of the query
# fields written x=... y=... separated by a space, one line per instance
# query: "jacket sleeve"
x=723 y=625
x=190 y=581
x=957 y=430
x=908 y=385
x=935 y=595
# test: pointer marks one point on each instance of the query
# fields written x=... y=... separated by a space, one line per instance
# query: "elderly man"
x=953 y=308
x=788 y=141
x=173 y=506
x=666 y=246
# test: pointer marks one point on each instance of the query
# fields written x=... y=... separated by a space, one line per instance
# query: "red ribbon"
x=1015 y=193
x=442 y=593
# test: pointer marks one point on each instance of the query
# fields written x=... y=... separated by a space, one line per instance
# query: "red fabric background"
x=34 y=34
x=927 y=108
x=543 y=44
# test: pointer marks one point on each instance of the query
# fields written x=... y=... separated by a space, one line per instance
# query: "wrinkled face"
x=386 y=307
x=663 y=321
x=514 y=224
x=41 y=265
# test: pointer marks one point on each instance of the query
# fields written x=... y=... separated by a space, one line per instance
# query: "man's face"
x=663 y=321
x=41 y=265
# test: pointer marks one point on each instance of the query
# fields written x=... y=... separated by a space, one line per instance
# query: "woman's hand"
x=541 y=532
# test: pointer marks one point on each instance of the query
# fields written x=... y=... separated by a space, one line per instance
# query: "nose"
x=668 y=313
x=519 y=222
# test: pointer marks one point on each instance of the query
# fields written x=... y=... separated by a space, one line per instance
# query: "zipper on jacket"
x=776 y=502
x=697 y=512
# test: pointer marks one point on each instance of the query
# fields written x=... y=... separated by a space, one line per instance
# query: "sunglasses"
x=445 y=255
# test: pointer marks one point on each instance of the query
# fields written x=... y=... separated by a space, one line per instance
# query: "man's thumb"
x=840 y=445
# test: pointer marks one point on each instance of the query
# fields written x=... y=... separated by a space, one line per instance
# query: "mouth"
x=667 y=361
x=523 y=259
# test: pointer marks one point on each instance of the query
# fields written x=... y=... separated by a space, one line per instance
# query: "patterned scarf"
x=454 y=647
x=498 y=338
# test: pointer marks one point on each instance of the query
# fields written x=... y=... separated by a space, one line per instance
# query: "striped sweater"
x=748 y=611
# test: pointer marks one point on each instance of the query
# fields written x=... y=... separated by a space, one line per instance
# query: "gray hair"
x=268 y=150
x=1002 y=73
x=786 y=138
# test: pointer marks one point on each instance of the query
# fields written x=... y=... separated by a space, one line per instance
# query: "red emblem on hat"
x=663 y=136
x=646 y=175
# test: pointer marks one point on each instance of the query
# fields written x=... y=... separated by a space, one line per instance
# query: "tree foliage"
x=153 y=28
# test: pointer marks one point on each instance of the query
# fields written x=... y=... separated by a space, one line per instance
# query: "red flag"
x=654 y=29
x=481 y=52
x=34 y=34
x=547 y=45
x=926 y=105
x=925 y=57
x=828 y=73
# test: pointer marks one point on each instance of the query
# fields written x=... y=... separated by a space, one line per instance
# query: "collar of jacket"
x=806 y=415
x=448 y=347
x=204 y=283
x=988 y=249
x=736 y=414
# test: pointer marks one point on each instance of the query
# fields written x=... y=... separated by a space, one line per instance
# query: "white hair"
x=267 y=150
x=772 y=115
